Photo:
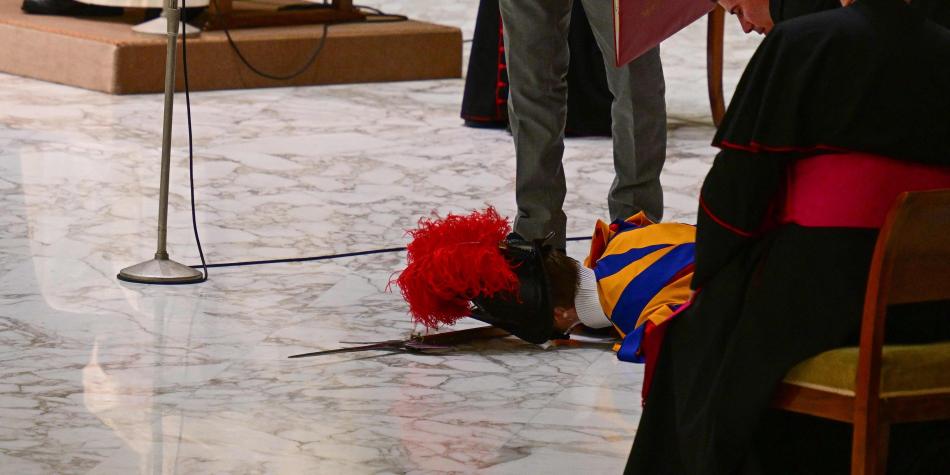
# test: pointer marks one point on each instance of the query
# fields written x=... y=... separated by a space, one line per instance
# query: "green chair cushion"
x=905 y=370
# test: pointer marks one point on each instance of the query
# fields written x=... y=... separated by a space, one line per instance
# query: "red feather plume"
x=452 y=260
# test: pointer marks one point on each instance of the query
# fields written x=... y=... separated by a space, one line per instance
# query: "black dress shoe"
x=68 y=8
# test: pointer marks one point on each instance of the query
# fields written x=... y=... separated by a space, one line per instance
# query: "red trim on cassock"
x=756 y=147
x=720 y=222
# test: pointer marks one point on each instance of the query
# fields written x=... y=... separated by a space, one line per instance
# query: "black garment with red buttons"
x=485 y=101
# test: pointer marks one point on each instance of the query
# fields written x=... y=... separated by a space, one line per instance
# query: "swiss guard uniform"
x=642 y=272
x=635 y=278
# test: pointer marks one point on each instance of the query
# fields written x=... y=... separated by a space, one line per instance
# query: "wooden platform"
x=106 y=55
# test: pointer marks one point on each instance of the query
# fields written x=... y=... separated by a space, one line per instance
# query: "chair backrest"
x=911 y=263
x=913 y=250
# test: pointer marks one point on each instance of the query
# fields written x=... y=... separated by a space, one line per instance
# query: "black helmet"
x=530 y=314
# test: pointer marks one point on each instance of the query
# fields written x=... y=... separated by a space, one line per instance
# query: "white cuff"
x=587 y=301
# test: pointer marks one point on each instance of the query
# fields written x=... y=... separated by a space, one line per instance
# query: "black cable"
x=275 y=77
x=191 y=148
x=306 y=259
x=375 y=13
x=328 y=257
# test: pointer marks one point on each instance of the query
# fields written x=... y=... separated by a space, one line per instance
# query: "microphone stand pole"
x=161 y=269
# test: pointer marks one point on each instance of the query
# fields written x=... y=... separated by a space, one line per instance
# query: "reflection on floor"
x=99 y=376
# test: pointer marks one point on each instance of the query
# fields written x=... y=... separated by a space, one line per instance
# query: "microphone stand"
x=161 y=269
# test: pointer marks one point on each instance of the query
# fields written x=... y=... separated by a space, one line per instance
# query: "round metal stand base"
x=160 y=271
x=159 y=26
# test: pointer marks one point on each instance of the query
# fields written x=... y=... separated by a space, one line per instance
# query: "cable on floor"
x=328 y=257
x=378 y=17
x=191 y=148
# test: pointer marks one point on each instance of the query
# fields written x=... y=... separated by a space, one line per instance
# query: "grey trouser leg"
x=537 y=56
x=639 y=121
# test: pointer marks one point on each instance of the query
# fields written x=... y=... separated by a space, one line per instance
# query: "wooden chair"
x=874 y=385
x=715 y=28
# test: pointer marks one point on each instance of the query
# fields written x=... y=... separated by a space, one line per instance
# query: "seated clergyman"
x=837 y=113
x=636 y=275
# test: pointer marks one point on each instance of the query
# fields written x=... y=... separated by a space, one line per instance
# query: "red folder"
x=639 y=25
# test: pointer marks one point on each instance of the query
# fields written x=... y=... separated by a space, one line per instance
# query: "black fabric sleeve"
x=737 y=205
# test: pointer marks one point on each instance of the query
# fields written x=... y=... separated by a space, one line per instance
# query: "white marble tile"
x=103 y=377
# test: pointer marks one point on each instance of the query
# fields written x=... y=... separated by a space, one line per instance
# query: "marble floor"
x=104 y=377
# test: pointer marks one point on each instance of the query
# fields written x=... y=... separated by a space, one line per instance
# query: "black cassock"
x=875 y=78
x=485 y=101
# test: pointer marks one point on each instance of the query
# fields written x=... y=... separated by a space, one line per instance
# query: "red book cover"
x=639 y=25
